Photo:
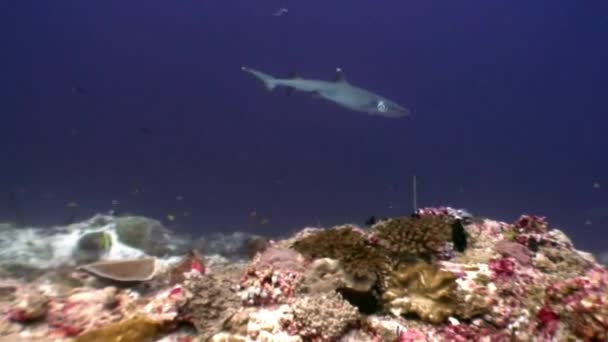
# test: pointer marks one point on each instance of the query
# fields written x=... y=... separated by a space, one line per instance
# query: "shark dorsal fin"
x=340 y=77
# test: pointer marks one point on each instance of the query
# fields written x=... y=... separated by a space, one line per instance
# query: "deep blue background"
x=509 y=100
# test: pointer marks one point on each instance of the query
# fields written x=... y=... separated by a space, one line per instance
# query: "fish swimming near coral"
x=340 y=91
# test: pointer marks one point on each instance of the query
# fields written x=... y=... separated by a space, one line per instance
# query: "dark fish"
x=370 y=221
x=373 y=220
x=78 y=90
x=459 y=236
x=145 y=130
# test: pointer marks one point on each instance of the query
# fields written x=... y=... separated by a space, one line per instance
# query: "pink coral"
x=410 y=335
x=83 y=311
x=548 y=321
x=532 y=223
x=503 y=267
x=267 y=287
x=272 y=276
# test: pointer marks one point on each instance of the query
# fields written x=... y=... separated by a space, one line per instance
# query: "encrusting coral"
x=422 y=289
x=136 y=329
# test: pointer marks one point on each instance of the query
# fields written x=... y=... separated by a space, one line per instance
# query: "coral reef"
x=210 y=302
x=422 y=289
x=353 y=248
x=140 y=328
x=440 y=275
x=406 y=239
x=321 y=317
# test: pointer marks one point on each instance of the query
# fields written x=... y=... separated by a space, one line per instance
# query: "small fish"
x=588 y=222
x=597 y=185
x=179 y=198
x=115 y=202
x=72 y=204
x=135 y=192
x=280 y=12
x=370 y=221
x=186 y=213
x=170 y=217
x=145 y=130
x=264 y=221
x=253 y=214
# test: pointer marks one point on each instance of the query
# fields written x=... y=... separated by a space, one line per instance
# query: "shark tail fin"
x=269 y=81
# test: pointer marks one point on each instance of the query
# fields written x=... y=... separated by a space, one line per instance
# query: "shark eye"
x=381 y=106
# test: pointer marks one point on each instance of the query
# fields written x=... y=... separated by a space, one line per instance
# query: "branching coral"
x=423 y=236
x=348 y=245
x=422 y=289
x=321 y=317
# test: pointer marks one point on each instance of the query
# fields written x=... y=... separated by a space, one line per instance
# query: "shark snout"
x=390 y=109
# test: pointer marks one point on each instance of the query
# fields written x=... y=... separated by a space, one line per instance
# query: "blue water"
x=143 y=103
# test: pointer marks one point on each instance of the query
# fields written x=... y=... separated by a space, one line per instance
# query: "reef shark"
x=340 y=91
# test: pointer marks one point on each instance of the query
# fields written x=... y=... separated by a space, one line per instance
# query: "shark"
x=340 y=91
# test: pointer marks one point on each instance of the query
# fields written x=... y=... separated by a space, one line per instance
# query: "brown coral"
x=347 y=245
x=138 y=328
x=422 y=289
x=406 y=237
x=211 y=301
x=321 y=317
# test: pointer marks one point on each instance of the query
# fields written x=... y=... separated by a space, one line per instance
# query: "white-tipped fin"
x=340 y=77
x=269 y=81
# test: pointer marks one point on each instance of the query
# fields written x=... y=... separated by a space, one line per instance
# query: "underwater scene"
x=303 y=171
